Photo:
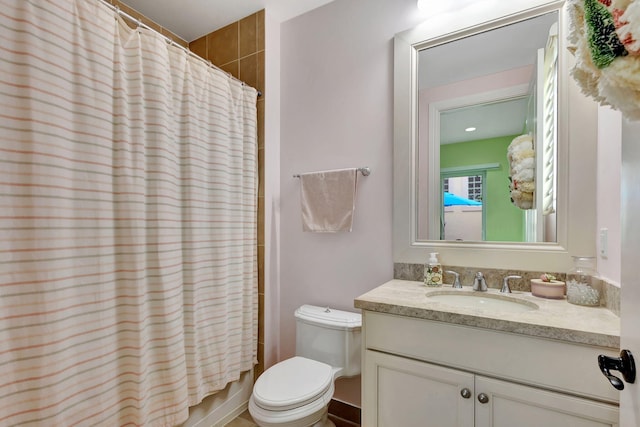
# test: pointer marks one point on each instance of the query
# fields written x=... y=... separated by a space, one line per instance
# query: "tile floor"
x=243 y=420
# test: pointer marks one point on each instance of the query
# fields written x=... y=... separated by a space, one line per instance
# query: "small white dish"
x=554 y=289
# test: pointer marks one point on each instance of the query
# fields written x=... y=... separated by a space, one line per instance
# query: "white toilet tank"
x=329 y=336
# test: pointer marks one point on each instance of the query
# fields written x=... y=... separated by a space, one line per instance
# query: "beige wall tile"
x=259 y=368
x=261 y=121
x=222 y=45
x=261 y=321
x=261 y=173
x=248 y=39
x=260 y=30
x=261 y=269
x=261 y=221
x=199 y=47
x=232 y=68
x=249 y=70
x=260 y=72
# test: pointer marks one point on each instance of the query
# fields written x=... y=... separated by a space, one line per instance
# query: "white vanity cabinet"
x=426 y=373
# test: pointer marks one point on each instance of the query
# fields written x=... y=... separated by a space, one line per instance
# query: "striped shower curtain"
x=128 y=274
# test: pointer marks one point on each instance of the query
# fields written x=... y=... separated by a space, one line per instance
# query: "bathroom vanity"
x=432 y=361
x=443 y=357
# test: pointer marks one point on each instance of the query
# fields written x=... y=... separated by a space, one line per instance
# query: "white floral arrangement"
x=604 y=36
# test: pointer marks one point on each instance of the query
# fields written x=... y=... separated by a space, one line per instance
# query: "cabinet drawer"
x=545 y=363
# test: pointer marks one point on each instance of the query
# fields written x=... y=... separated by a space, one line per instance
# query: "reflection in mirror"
x=487 y=139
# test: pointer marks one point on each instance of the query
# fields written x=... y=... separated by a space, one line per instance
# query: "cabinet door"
x=511 y=405
x=403 y=392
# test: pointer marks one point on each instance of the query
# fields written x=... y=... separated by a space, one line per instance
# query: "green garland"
x=604 y=43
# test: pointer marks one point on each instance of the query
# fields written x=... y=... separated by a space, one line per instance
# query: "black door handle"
x=623 y=364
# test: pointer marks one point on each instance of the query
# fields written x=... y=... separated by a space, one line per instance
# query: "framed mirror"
x=503 y=70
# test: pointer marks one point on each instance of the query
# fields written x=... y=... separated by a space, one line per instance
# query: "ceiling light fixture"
x=470 y=129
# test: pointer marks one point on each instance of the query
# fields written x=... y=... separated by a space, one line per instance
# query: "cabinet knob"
x=483 y=398
x=465 y=393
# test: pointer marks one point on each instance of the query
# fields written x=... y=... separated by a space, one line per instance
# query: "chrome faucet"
x=456 y=280
x=505 y=284
x=479 y=284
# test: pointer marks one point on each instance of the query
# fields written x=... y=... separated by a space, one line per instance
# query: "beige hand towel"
x=328 y=200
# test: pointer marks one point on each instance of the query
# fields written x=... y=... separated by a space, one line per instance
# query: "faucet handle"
x=505 y=284
x=456 y=280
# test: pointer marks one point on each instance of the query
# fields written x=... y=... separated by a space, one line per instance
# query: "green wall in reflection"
x=504 y=222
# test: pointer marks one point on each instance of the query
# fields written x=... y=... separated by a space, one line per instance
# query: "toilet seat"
x=281 y=387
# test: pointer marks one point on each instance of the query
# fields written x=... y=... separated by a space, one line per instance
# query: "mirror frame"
x=577 y=149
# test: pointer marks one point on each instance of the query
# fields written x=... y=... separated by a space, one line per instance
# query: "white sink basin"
x=482 y=301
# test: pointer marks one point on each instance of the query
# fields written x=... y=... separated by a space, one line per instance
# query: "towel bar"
x=365 y=171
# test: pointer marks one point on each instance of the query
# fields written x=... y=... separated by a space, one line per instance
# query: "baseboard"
x=344 y=414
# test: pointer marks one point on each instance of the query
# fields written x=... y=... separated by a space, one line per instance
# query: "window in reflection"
x=462 y=208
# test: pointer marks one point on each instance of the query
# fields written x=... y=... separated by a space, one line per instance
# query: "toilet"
x=296 y=392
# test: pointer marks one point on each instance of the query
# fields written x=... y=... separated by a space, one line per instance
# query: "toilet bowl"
x=296 y=392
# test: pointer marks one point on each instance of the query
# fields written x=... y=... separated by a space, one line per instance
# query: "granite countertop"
x=555 y=319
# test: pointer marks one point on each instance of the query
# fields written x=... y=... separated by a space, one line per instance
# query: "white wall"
x=336 y=100
x=608 y=191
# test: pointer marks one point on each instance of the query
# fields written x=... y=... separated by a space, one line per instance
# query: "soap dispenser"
x=433 y=271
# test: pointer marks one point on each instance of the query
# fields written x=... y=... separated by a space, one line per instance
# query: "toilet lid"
x=292 y=383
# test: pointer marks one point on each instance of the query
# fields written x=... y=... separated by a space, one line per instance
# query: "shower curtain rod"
x=139 y=23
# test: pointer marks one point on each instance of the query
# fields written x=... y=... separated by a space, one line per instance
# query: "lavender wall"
x=337 y=111
x=608 y=191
